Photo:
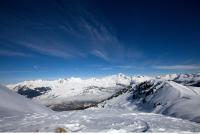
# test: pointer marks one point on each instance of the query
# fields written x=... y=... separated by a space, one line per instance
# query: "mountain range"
x=169 y=98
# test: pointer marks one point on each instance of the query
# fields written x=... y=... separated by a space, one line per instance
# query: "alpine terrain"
x=117 y=103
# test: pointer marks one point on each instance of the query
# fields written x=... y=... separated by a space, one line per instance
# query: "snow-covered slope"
x=184 y=79
x=12 y=103
x=76 y=93
x=161 y=94
x=168 y=98
x=121 y=107
x=66 y=94
x=98 y=120
x=117 y=115
x=114 y=117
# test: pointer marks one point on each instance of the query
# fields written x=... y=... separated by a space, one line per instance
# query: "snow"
x=170 y=98
x=139 y=79
x=185 y=79
x=167 y=77
x=116 y=112
x=195 y=89
x=12 y=103
x=98 y=120
x=66 y=91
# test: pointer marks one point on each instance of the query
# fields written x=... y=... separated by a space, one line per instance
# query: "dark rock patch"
x=31 y=93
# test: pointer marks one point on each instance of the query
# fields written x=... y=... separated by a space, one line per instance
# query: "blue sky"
x=93 y=38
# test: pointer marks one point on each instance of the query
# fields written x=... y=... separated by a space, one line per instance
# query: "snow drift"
x=12 y=103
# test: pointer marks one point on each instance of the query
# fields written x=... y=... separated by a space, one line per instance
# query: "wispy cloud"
x=100 y=54
x=106 y=68
x=12 y=53
x=117 y=67
x=64 y=32
x=17 y=71
x=50 y=50
x=100 y=38
x=177 y=67
x=126 y=67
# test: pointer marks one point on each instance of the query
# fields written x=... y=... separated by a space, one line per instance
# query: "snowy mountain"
x=185 y=79
x=115 y=103
x=71 y=93
x=12 y=103
x=168 y=98
x=76 y=93
x=21 y=115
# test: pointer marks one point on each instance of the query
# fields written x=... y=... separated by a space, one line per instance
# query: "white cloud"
x=62 y=39
x=12 y=53
x=68 y=33
x=51 y=50
x=125 y=67
x=100 y=54
x=177 y=67
x=15 y=71
x=107 y=68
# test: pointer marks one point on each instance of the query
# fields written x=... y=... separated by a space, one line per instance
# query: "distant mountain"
x=185 y=79
x=114 y=115
x=77 y=93
x=118 y=102
x=74 y=93
x=161 y=94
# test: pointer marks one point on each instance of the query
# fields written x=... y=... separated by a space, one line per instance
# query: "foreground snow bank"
x=12 y=103
x=168 y=98
x=98 y=120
